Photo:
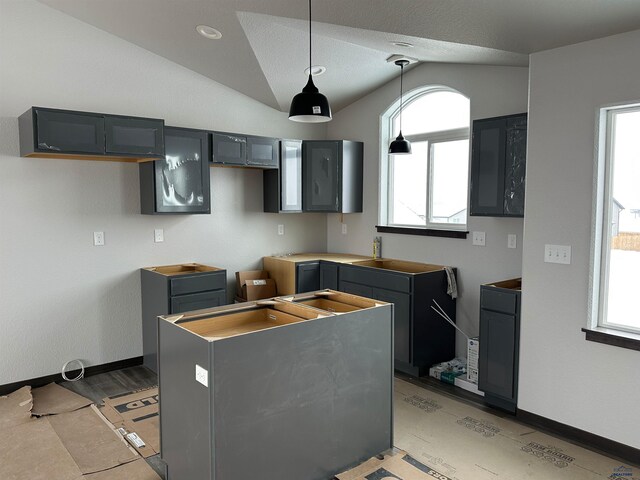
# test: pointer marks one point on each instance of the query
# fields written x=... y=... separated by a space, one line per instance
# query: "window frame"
x=385 y=210
x=603 y=215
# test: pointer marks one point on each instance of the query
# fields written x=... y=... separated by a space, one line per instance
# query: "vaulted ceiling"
x=264 y=46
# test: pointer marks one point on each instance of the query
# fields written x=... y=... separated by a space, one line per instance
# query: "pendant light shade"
x=400 y=146
x=310 y=105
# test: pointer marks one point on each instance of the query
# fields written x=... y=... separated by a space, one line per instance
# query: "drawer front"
x=197 y=283
x=498 y=300
x=198 y=301
x=376 y=278
x=356 y=289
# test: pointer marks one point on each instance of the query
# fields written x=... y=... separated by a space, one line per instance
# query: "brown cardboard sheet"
x=33 y=451
x=137 y=470
x=137 y=412
x=91 y=440
x=15 y=408
x=53 y=399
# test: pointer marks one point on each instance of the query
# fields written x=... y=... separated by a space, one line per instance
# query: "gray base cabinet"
x=279 y=391
x=421 y=337
x=500 y=343
x=175 y=289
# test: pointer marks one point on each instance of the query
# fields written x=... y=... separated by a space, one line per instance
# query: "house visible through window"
x=428 y=188
x=620 y=206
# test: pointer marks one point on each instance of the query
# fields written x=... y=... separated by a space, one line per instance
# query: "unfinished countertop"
x=332 y=257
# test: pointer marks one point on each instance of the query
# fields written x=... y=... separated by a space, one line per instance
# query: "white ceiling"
x=264 y=48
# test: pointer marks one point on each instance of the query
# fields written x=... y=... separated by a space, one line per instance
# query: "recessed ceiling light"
x=402 y=44
x=315 y=70
x=208 y=32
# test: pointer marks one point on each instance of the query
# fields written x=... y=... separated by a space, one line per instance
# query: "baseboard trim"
x=585 y=439
x=88 y=371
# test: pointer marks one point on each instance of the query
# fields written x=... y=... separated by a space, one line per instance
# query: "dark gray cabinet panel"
x=180 y=183
x=332 y=176
x=166 y=294
x=134 y=135
x=328 y=275
x=262 y=152
x=421 y=337
x=307 y=277
x=282 y=188
x=498 y=160
x=46 y=132
x=244 y=150
x=229 y=149
x=499 y=343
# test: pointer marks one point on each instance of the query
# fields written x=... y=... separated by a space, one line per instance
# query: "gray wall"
x=493 y=91
x=590 y=386
x=62 y=298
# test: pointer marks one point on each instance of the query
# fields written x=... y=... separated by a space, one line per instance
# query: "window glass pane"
x=624 y=227
x=434 y=112
x=449 y=182
x=409 y=186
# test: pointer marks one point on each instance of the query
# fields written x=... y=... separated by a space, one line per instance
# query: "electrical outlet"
x=158 y=235
x=280 y=229
x=511 y=240
x=98 y=239
x=557 y=254
x=479 y=238
x=344 y=228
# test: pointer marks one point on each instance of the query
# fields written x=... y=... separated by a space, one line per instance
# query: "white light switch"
x=557 y=254
x=280 y=229
x=98 y=239
x=479 y=238
x=158 y=235
x=511 y=240
x=344 y=228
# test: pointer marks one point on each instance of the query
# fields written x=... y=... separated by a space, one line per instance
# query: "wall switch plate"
x=344 y=228
x=158 y=235
x=280 y=229
x=511 y=240
x=98 y=239
x=557 y=254
x=479 y=238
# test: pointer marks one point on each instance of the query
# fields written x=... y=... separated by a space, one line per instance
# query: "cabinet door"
x=129 y=135
x=182 y=182
x=328 y=275
x=356 y=289
x=497 y=353
x=69 y=132
x=320 y=170
x=401 y=321
x=515 y=165
x=487 y=167
x=198 y=301
x=262 y=152
x=307 y=277
x=291 y=176
x=229 y=149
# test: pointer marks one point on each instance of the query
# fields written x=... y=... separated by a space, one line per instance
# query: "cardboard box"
x=254 y=285
x=473 y=351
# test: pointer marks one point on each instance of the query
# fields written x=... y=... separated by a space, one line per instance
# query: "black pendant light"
x=310 y=105
x=400 y=146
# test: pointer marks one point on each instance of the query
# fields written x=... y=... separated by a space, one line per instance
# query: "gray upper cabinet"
x=50 y=133
x=498 y=164
x=179 y=183
x=332 y=176
x=282 y=188
x=244 y=150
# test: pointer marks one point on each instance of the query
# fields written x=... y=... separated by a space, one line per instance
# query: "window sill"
x=616 y=338
x=428 y=232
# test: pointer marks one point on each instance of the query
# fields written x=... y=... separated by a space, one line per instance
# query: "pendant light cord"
x=401 y=75
x=309 y=37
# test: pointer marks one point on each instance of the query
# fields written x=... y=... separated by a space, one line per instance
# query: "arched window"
x=429 y=187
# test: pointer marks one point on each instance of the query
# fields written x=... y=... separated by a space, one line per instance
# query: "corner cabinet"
x=180 y=183
x=500 y=343
x=52 y=133
x=332 y=176
x=282 y=188
x=498 y=166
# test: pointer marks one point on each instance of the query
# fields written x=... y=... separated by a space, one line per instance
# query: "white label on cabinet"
x=202 y=376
